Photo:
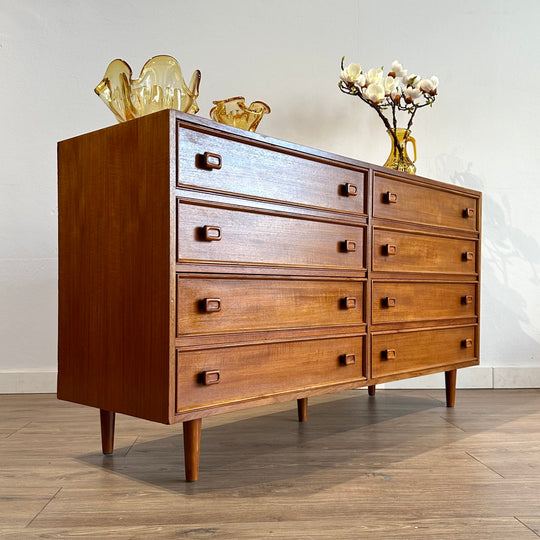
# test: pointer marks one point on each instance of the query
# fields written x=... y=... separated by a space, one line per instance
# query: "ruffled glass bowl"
x=159 y=86
x=234 y=112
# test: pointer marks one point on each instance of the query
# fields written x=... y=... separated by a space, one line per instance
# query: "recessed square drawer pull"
x=349 y=302
x=468 y=256
x=212 y=305
x=466 y=343
x=350 y=190
x=211 y=233
x=347 y=359
x=210 y=377
x=467 y=299
x=389 y=354
x=389 y=197
x=389 y=249
x=209 y=161
x=468 y=213
x=389 y=301
x=349 y=246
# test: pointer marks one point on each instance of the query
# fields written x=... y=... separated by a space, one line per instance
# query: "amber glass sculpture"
x=159 y=86
x=234 y=112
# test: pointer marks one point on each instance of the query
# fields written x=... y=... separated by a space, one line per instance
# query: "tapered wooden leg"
x=371 y=390
x=192 y=448
x=302 y=409
x=107 y=431
x=450 y=380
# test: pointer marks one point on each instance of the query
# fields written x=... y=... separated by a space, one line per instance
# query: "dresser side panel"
x=114 y=268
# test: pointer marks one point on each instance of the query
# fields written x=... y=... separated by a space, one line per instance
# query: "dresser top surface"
x=173 y=118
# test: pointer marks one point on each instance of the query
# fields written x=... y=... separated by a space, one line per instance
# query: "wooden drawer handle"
x=349 y=302
x=388 y=354
x=389 y=249
x=210 y=377
x=467 y=299
x=389 y=197
x=350 y=190
x=209 y=161
x=468 y=256
x=212 y=305
x=389 y=302
x=468 y=213
x=466 y=343
x=347 y=359
x=211 y=233
x=348 y=246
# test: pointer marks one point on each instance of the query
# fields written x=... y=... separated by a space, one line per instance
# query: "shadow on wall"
x=504 y=247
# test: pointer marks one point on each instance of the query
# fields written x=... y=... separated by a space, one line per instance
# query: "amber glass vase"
x=234 y=112
x=398 y=159
x=160 y=86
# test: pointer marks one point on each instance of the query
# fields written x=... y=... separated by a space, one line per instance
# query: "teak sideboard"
x=204 y=269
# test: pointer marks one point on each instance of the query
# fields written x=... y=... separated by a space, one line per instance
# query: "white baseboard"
x=44 y=382
x=28 y=382
x=477 y=377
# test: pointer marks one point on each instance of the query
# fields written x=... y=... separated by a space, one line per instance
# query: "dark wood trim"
x=450 y=383
x=192 y=448
x=302 y=409
x=107 y=420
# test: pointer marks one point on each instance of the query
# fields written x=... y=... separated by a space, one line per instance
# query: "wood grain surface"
x=399 y=465
x=412 y=202
x=189 y=288
x=263 y=173
x=256 y=304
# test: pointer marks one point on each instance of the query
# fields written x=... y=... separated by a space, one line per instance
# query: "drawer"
x=211 y=234
x=397 y=251
x=206 y=306
x=218 y=376
x=398 y=301
x=428 y=205
x=410 y=351
x=267 y=174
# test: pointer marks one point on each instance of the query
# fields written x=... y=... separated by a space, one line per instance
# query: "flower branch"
x=393 y=93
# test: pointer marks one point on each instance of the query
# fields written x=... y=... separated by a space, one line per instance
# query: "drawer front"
x=399 y=200
x=211 y=234
x=217 y=376
x=395 y=301
x=421 y=349
x=267 y=174
x=206 y=306
x=396 y=251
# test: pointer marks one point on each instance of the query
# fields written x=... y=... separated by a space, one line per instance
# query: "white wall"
x=481 y=132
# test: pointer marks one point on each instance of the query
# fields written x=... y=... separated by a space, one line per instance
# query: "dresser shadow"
x=343 y=438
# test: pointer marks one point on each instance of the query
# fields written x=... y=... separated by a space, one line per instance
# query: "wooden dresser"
x=204 y=269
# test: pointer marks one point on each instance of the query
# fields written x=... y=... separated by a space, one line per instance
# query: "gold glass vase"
x=398 y=158
x=234 y=112
x=159 y=86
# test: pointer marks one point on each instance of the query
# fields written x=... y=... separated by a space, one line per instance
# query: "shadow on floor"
x=343 y=438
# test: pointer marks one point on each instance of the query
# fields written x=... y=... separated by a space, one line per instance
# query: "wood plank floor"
x=398 y=465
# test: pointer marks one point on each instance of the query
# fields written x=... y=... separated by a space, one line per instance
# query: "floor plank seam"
x=486 y=466
x=435 y=398
x=46 y=504
x=132 y=445
x=17 y=430
x=525 y=525
x=452 y=424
